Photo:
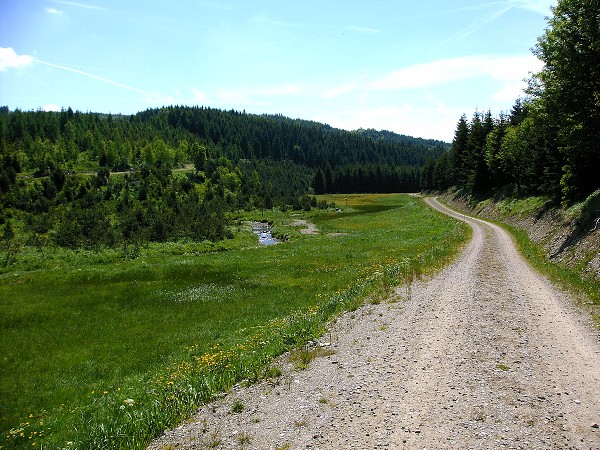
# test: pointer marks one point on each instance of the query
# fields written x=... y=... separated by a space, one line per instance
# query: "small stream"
x=263 y=231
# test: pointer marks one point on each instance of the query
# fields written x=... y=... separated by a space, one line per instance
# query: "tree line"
x=77 y=179
x=549 y=143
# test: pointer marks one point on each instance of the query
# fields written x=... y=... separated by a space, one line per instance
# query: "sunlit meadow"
x=106 y=351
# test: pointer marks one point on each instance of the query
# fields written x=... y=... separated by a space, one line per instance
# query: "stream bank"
x=263 y=231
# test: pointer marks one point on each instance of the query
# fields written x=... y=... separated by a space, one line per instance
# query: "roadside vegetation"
x=543 y=154
x=570 y=278
x=575 y=278
x=106 y=350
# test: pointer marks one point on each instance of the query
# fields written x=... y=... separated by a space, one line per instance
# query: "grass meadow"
x=106 y=350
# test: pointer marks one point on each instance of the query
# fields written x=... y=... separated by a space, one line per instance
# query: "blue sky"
x=412 y=67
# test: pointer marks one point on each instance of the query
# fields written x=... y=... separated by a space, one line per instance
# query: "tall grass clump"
x=108 y=352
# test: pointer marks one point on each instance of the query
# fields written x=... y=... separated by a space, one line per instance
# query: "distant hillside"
x=242 y=135
x=402 y=139
x=56 y=184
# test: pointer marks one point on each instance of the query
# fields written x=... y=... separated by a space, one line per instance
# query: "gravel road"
x=487 y=354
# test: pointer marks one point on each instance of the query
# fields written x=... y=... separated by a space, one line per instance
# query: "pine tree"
x=568 y=88
x=459 y=151
x=319 y=182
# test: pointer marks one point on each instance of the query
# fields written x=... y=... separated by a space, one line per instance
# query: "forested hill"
x=106 y=139
x=377 y=135
x=249 y=136
x=55 y=170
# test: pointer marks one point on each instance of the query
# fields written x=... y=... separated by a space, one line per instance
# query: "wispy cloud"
x=445 y=12
x=46 y=85
x=506 y=68
x=339 y=90
x=256 y=96
x=80 y=5
x=99 y=78
x=478 y=24
x=54 y=11
x=284 y=89
x=365 y=30
x=199 y=96
x=10 y=60
x=265 y=19
x=538 y=6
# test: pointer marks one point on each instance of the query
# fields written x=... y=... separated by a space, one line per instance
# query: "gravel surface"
x=487 y=354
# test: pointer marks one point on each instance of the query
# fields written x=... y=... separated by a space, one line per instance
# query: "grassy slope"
x=118 y=350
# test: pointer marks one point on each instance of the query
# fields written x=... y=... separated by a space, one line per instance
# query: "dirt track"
x=485 y=355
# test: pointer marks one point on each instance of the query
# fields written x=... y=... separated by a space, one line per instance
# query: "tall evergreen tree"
x=319 y=182
x=459 y=151
x=568 y=87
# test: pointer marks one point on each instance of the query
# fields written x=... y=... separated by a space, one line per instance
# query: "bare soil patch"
x=309 y=228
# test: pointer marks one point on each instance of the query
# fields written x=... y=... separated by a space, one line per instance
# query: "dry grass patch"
x=302 y=357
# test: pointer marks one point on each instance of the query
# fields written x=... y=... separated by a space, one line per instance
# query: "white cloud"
x=426 y=91
x=199 y=96
x=53 y=11
x=10 y=60
x=431 y=123
x=538 y=6
x=339 y=90
x=445 y=71
x=512 y=68
x=51 y=107
x=510 y=92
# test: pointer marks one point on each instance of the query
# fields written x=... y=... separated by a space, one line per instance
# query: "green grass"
x=102 y=351
x=584 y=288
x=572 y=278
x=523 y=206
